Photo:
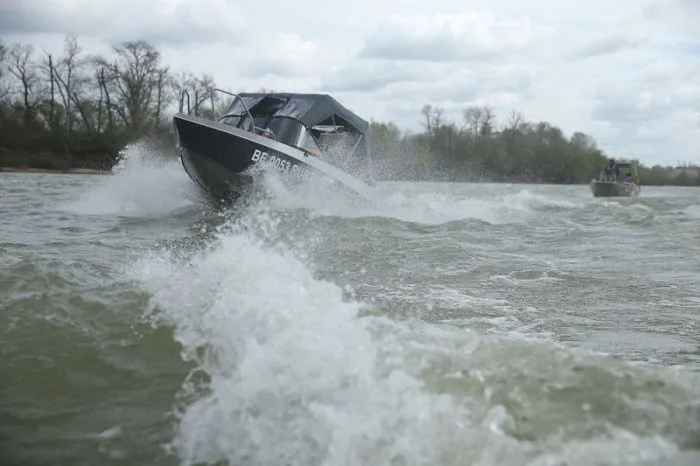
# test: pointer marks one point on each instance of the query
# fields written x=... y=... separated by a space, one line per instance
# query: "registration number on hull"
x=285 y=166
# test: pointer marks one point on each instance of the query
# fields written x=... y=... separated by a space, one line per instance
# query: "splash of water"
x=144 y=183
x=287 y=357
x=289 y=371
x=430 y=207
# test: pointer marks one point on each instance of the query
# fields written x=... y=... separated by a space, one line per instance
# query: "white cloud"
x=156 y=20
x=613 y=43
x=623 y=71
x=442 y=37
x=656 y=111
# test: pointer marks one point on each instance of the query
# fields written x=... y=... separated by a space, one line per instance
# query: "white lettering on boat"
x=285 y=166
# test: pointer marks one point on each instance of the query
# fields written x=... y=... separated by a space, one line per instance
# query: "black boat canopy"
x=310 y=109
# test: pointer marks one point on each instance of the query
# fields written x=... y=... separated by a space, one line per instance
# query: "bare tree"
x=22 y=68
x=67 y=74
x=514 y=121
x=472 y=122
x=436 y=118
x=133 y=78
x=427 y=112
x=479 y=122
x=100 y=102
x=73 y=84
x=104 y=83
x=488 y=121
x=192 y=92
x=4 y=82
x=4 y=87
x=181 y=85
x=162 y=97
x=52 y=109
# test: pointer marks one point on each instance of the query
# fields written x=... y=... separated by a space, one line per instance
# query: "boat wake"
x=290 y=370
x=148 y=182
x=423 y=206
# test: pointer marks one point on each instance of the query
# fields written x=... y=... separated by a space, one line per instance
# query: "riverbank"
x=76 y=171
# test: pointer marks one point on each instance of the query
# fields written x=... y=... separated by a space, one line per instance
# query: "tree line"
x=480 y=148
x=80 y=110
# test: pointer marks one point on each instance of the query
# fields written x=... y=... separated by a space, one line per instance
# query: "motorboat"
x=624 y=184
x=297 y=135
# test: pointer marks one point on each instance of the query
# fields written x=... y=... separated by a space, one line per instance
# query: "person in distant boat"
x=612 y=170
x=628 y=178
x=267 y=133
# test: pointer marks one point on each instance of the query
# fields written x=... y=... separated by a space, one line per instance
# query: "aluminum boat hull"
x=614 y=189
x=223 y=159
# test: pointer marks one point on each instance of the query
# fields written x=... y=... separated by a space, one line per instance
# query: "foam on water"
x=692 y=212
x=145 y=183
x=295 y=373
x=290 y=370
x=430 y=208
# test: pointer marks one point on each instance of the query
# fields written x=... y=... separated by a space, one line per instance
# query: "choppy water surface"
x=451 y=324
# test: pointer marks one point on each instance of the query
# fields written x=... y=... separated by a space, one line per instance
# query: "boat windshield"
x=308 y=143
x=282 y=129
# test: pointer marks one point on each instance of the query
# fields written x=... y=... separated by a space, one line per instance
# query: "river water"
x=450 y=324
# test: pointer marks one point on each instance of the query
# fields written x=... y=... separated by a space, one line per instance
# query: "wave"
x=290 y=370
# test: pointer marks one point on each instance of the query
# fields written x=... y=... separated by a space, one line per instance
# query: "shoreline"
x=71 y=171
x=95 y=171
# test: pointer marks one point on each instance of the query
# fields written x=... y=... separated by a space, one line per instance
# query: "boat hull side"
x=602 y=189
x=223 y=163
x=215 y=179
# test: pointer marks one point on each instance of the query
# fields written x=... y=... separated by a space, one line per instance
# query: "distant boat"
x=290 y=133
x=608 y=185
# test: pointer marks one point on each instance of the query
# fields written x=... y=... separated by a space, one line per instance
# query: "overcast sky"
x=626 y=72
